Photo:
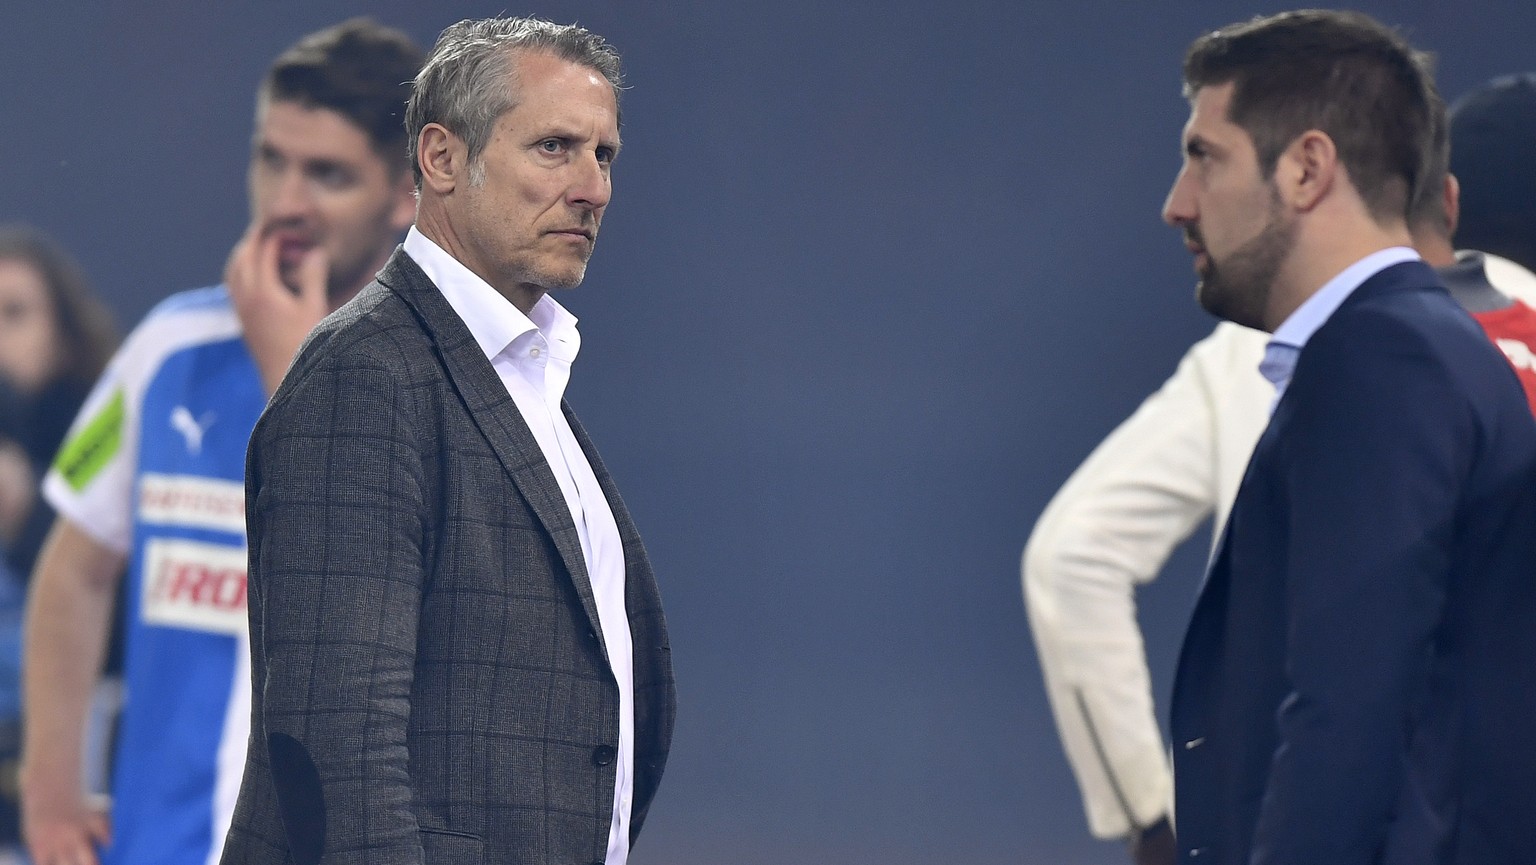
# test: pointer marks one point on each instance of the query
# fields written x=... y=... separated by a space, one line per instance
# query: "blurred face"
x=29 y=329
x=1231 y=216
x=316 y=181
x=530 y=213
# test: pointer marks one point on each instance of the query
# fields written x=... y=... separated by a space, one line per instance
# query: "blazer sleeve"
x=1110 y=528
x=336 y=534
x=1375 y=446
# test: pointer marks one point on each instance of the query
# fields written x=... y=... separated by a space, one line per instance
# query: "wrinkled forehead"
x=550 y=89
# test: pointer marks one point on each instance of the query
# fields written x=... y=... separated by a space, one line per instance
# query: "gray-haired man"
x=458 y=648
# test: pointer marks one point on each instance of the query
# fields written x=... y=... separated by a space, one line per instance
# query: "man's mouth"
x=292 y=249
x=1197 y=249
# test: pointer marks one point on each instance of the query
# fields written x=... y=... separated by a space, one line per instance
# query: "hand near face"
x=275 y=314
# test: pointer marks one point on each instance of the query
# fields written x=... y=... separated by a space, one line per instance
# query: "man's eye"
x=551 y=145
x=331 y=176
x=605 y=155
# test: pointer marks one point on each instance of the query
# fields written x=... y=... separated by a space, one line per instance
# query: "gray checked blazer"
x=430 y=684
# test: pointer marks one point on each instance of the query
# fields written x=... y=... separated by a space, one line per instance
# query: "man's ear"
x=1452 y=200
x=1307 y=170
x=441 y=156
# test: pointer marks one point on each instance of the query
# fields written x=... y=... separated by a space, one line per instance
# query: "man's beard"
x=1238 y=288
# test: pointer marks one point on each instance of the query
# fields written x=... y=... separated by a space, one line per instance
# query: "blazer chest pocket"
x=441 y=847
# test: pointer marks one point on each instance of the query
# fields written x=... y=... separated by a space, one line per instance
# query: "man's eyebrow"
x=1196 y=142
x=326 y=162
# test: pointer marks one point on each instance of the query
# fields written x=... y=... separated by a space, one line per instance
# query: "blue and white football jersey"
x=154 y=468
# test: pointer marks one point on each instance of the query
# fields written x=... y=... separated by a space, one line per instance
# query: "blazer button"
x=602 y=755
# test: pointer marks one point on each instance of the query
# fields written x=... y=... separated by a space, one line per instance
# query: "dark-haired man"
x=1178 y=460
x=1356 y=682
x=471 y=663
x=151 y=475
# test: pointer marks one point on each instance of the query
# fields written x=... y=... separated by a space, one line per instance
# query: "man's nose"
x=591 y=187
x=292 y=196
x=1179 y=206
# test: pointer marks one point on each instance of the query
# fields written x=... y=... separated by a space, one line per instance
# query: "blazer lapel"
x=494 y=412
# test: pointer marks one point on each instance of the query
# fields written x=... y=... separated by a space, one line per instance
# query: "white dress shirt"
x=533 y=354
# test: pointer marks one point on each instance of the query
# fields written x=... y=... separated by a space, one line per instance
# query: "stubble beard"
x=552 y=278
x=565 y=280
x=1238 y=288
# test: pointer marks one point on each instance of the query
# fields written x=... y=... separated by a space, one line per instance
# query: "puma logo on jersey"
x=192 y=429
x=1519 y=354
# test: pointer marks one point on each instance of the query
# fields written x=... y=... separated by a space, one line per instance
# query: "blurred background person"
x=55 y=338
x=151 y=474
x=1493 y=129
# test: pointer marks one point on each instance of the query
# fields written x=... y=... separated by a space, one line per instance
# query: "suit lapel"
x=496 y=414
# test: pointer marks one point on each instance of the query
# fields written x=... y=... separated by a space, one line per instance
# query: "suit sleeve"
x=336 y=535
x=1376 y=445
x=1110 y=528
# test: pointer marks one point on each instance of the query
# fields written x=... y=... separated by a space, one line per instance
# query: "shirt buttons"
x=533 y=352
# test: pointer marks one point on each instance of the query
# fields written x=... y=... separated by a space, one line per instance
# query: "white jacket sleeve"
x=1177 y=460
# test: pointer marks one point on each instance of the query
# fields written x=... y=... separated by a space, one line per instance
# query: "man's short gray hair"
x=465 y=83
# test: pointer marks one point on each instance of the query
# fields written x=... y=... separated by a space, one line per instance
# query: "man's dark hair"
x=359 y=69
x=1427 y=209
x=1493 y=132
x=1342 y=73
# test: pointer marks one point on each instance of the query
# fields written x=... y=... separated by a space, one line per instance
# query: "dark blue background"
x=875 y=278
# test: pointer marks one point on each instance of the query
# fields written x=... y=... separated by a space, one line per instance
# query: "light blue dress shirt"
x=1291 y=336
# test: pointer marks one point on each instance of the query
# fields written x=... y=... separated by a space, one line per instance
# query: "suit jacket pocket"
x=441 y=847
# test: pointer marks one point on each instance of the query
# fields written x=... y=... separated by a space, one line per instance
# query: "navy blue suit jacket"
x=1358 y=682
